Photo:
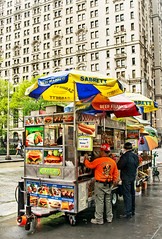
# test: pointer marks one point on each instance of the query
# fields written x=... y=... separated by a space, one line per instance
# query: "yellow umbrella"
x=146 y=104
x=68 y=85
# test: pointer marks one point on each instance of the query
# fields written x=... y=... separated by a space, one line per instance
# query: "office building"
x=113 y=37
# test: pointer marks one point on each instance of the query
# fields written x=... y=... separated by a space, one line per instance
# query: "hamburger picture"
x=43 y=202
x=33 y=201
x=34 y=157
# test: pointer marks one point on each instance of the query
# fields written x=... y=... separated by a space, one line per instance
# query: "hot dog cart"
x=55 y=178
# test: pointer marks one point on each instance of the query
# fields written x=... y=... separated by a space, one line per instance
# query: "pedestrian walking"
x=128 y=164
x=18 y=148
x=106 y=173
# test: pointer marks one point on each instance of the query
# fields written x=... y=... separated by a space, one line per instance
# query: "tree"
x=4 y=102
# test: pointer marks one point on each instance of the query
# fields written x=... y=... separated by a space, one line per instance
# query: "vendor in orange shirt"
x=106 y=174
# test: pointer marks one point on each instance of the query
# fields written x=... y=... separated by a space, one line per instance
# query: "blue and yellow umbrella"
x=72 y=84
x=146 y=104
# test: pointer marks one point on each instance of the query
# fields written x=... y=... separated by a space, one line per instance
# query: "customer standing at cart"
x=128 y=164
x=106 y=173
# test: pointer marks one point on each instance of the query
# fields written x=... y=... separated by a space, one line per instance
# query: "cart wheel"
x=27 y=226
x=72 y=220
x=21 y=221
x=114 y=198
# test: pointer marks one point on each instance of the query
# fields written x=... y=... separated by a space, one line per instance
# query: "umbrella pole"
x=104 y=119
x=75 y=136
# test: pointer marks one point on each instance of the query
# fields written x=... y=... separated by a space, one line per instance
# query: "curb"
x=11 y=160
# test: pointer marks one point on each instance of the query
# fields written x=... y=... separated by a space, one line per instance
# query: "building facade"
x=157 y=41
x=113 y=37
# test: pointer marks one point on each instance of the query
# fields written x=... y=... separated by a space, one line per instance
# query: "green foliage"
x=19 y=101
x=4 y=102
x=26 y=103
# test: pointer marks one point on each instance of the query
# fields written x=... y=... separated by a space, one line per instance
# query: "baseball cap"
x=105 y=147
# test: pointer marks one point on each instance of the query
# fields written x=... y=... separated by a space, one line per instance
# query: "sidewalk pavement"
x=14 y=158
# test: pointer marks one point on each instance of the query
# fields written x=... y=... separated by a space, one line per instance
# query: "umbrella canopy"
x=147 y=143
x=146 y=104
x=143 y=132
x=119 y=105
x=152 y=131
x=60 y=86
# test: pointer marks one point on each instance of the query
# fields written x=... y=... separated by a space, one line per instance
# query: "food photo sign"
x=34 y=156
x=53 y=156
x=87 y=129
x=34 y=136
x=46 y=195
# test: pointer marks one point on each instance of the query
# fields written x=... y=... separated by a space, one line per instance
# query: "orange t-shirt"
x=105 y=168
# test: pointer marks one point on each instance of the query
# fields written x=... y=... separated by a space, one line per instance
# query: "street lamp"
x=8 y=157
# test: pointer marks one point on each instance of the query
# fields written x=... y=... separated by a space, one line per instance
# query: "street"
x=146 y=224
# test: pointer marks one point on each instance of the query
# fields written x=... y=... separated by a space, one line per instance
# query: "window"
x=117 y=51
x=117 y=29
x=121 y=6
x=107 y=32
x=132 y=26
x=81 y=58
x=94 y=56
x=122 y=50
x=133 y=74
x=132 y=37
x=122 y=39
x=131 y=3
x=122 y=17
x=123 y=74
x=108 y=53
x=95 y=67
x=117 y=18
x=133 y=61
x=107 y=21
x=122 y=28
x=122 y=62
x=116 y=7
x=117 y=40
x=108 y=65
x=132 y=15
x=133 y=49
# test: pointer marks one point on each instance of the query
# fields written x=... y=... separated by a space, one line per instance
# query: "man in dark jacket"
x=128 y=164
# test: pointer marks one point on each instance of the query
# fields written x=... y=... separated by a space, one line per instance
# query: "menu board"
x=47 y=195
x=85 y=143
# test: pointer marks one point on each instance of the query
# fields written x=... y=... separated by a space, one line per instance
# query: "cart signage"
x=53 y=196
x=134 y=143
x=85 y=143
x=50 y=171
x=34 y=136
x=86 y=129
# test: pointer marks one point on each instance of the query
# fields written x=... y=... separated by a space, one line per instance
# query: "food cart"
x=55 y=178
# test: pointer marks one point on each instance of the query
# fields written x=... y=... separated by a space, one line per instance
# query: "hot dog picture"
x=86 y=129
x=53 y=156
